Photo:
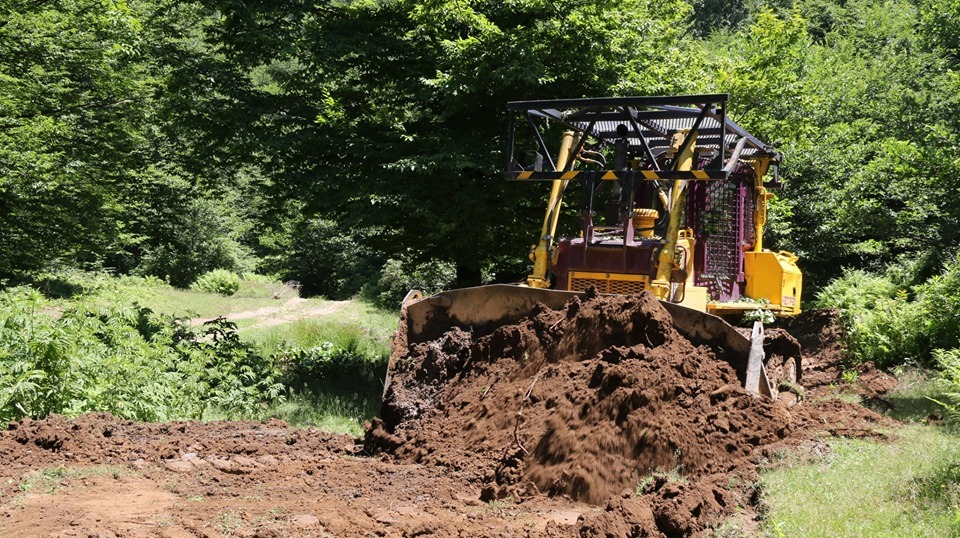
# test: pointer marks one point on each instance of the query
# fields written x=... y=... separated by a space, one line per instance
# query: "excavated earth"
x=599 y=419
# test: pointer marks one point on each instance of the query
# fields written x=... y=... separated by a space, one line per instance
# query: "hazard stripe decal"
x=615 y=175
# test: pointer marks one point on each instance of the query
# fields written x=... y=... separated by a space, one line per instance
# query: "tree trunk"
x=467 y=275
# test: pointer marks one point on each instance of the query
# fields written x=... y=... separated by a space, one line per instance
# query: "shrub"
x=218 y=281
x=939 y=300
x=187 y=233
x=125 y=360
x=328 y=362
x=855 y=292
x=397 y=278
x=949 y=363
x=881 y=323
x=326 y=259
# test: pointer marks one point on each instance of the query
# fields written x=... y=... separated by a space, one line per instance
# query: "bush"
x=880 y=322
x=939 y=299
x=949 y=363
x=328 y=362
x=884 y=325
x=326 y=259
x=218 y=281
x=397 y=278
x=124 y=360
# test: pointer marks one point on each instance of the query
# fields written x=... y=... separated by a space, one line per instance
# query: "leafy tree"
x=72 y=103
x=186 y=233
x=401 y=112
x=856 y=105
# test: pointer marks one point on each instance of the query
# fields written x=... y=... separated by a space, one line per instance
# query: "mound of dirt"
x=101 y=438
x=592 y=402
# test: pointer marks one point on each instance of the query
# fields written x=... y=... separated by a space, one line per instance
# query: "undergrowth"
x=861 y=488
x=949 y=362
x=892 y=322
x=82 y=345
x=125 y=360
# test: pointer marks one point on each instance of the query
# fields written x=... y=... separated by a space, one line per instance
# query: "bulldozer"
x=673 y=201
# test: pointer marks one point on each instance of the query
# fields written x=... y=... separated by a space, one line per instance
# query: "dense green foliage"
x=97 y=353
x=218 y=281
x=890 y=322
x=319 y=141
x=124 y=360
x=949 y=362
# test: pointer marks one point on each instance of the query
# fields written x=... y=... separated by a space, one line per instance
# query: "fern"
x=949 y=362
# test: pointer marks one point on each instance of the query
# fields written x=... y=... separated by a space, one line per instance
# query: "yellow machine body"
x=774 y=276
x=771 y=278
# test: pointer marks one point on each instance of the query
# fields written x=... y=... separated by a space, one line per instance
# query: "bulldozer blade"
x=484 y=308
x=757 y=380
x=477 y=308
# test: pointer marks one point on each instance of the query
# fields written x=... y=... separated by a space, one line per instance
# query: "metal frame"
x=649 y=122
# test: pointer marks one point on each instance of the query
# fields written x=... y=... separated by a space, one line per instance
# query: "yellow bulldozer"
x=672 y=200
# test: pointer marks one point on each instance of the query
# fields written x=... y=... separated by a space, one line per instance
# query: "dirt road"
x=293 y=309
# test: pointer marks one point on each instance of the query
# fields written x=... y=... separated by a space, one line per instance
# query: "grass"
x=328 y=406
x=51 y=479
x=357 y=326
x=913 y=399
x=909 y=487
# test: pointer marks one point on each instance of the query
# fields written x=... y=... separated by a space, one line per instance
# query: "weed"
x=228 y=521
x=49 y=480
x=849 y=377
x=762 y=315
x=789 y=386
x=500 y=506
x=673 y=475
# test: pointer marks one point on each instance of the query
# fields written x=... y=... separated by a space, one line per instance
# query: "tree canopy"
x=172 y=137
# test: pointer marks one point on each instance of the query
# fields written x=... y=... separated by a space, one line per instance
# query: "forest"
x=357 y=147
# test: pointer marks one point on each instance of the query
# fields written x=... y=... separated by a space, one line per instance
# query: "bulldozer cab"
x=672 y=199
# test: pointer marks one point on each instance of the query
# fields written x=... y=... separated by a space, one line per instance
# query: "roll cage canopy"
x=645 y=125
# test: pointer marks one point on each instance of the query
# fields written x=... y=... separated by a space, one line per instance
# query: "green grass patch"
x=906 y=488
x=357 y=327
x=914 y=398
x=165 y=299
x=330 y=408
x=51 y=479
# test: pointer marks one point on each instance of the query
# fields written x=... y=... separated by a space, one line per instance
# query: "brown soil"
x=597 y=420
